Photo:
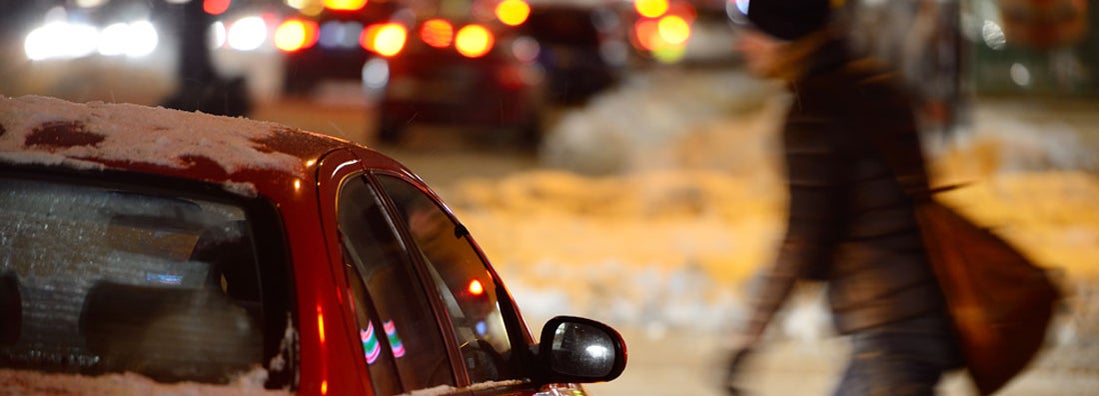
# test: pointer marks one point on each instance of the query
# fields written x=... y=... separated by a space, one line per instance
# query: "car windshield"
x=98 y=280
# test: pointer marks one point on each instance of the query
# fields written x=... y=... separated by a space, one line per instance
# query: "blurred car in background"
x=324 y=43
x=153 y=251
x=582 y=48
x=460 y=63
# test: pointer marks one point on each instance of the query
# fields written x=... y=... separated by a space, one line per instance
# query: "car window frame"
x=449 y=344
x=517 y=331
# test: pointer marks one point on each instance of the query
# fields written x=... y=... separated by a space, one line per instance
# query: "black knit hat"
x=789 y=19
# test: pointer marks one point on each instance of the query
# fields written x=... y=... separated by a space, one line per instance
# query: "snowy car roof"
x=97 y=135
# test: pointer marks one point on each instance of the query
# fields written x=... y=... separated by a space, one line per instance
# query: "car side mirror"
x=578 y=350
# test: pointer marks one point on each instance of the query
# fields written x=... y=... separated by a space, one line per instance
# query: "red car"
x=144 y=247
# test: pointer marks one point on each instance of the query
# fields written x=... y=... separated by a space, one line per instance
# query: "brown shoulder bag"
x=1001 y=303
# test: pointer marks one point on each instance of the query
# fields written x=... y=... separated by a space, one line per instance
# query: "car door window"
x=396 y=323
x=465 y=284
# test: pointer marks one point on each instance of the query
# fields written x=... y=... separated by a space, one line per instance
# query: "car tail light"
x=474 y=41
x=437 y=33
x=296 y=34
x=215 y=7
x=512 y=12
x=386 y=39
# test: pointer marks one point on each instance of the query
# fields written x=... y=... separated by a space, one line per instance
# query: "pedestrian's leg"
x=888 y=362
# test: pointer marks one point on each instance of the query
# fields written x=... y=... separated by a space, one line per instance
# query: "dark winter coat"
x=850 y=221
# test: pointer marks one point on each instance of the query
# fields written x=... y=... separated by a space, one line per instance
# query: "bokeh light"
x=1020 y=75
x=651 y=8
x=112 y=39
x=993 y=35
x=474 y=41
x=61 y=40
x=296 y=34
x=375 y=74
x=215 y=7
x=345 y=5
x=476 y=288
x=386 y=39
x=306 y=7
x=526 y=49
x=512 y=12
x=135 y=39
x=438 y=33
x=218 y=34
x=674 y=30
x=143 y=39
x=666 y=38
x=247 y=34
x=647 y=32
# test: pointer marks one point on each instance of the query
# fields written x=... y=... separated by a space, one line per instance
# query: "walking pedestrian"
x=850 y=223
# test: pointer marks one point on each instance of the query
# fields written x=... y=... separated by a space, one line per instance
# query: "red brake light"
x=437 y=33
x=215 y=7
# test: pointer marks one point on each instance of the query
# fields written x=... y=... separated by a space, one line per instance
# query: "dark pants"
x=903 y=358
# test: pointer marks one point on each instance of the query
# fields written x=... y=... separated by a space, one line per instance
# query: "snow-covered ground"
x=653 y=207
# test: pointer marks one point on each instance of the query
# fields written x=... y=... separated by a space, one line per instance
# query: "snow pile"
x=133 y=133
x=638 y=125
